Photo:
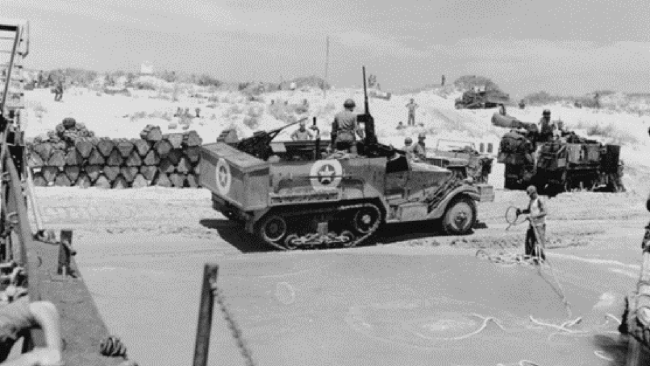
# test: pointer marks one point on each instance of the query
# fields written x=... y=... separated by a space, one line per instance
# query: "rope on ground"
x=234 y=327
x=562 y=327
x=600 y=354
x=617 y=320
x=486 y=320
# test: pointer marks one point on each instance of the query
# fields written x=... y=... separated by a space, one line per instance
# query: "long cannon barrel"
x=500 y=120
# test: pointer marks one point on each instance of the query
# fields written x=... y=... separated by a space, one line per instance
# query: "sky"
x=562 y=47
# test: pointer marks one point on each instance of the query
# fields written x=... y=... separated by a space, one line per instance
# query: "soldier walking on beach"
x=411 y=107
x=58 y=91
x=535 y=236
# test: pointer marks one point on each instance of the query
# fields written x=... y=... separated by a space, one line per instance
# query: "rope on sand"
x=486 y=320
x=613 y=317
x=600 y=354
x=562 y=327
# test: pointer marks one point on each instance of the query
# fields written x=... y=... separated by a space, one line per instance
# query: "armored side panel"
x=326 y=180
x=235 y=177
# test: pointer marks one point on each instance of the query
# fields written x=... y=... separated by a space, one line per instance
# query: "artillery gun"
x=297 y=195
x=568 y=163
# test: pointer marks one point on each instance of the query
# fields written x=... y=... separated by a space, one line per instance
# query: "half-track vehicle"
x=455 y=153
x=490 y=98
x=568 y=163
x=296 y=195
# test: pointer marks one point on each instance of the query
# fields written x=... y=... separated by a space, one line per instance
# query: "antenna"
x=327 y=61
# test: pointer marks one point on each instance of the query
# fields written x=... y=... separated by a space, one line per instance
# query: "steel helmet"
x=531 y=189
x=408 y=140
x=546 y=112
x=349 y=103
x=422 y=135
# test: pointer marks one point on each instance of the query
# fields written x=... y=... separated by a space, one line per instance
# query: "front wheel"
x=460 y=216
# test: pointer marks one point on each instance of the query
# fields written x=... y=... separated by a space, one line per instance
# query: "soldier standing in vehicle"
x=302 y=133
x=545 y=129
x=535 y=236
x=345 y=128
x=419 y=150
x=408 y=148
x=411 y=107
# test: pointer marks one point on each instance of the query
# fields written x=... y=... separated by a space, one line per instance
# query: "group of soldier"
x=346 y=131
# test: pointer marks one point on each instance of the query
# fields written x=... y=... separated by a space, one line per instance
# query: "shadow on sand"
x=234 y=233
x=616 y=349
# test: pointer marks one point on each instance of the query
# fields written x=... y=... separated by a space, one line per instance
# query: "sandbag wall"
x=72 y=157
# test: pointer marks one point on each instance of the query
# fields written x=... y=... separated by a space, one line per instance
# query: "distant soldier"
x=419 y=150
x=442 y=83
x=302 y=133
x=535 y=236
x=198 y=112
x=411 y=108
x=545 y=129
x=345 y=128
x=408 y=148
x=40 y=79
x=400 y=126
x=58 y=91
x=597 y=100
x=522 y=104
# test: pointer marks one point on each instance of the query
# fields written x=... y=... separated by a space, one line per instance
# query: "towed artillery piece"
x=559 y=165
x=294 y=195
x=483 y=99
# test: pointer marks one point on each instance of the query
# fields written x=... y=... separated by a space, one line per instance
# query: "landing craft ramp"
x=368 y=306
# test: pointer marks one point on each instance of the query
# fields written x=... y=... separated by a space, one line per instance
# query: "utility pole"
x=327 y=61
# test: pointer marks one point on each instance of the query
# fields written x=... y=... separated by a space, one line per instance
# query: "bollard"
x=65 y=252
x=206 y=306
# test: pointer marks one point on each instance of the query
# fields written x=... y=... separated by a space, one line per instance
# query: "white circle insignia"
x=326 y=174
x=223 y=176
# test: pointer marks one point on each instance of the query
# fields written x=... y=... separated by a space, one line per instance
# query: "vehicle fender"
x=440 y=209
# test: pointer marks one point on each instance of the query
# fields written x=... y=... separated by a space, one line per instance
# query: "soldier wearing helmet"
x=419 y=150
x=545 y=128
x=536 y=215
x=408 y=148
x=345 y=128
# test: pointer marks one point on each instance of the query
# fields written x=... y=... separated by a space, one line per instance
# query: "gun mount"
x=258 y=145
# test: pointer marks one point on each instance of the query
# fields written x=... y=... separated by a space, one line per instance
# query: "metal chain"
x=232 y=324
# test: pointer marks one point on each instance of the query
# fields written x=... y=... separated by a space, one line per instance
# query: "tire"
x=460 y=216
x=272 y=229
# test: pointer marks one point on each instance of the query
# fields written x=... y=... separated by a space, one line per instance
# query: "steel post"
x=206 y=306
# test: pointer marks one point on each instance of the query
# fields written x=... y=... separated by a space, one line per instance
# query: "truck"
x=295 y=195
x=568 y=163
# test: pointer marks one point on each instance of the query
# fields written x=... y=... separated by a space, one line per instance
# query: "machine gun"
x=371 y=146
x=366 y=118
x=258 y=144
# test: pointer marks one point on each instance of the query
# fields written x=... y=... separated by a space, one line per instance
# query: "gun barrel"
x=365 y=92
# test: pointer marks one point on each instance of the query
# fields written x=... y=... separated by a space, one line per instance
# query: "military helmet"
x=422 y=135
x=349 y=103
x=546 y=112
x=408 y=140
x=531 y=190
